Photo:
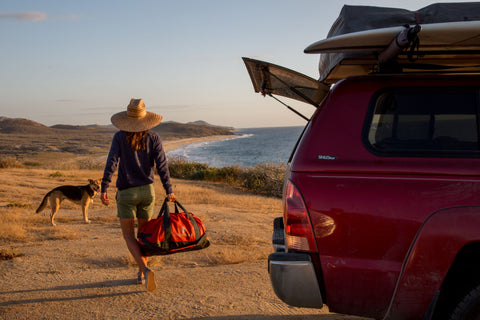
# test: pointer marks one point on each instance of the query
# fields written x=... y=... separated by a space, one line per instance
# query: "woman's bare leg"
x=150 y=283
x=140 y=223
x=128 y=231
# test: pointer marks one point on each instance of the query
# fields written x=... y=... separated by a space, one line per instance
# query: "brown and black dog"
x=81 y=195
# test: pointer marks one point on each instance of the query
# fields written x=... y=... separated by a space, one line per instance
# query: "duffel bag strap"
x=167 y=227
x=165 y=213
x=164 y=209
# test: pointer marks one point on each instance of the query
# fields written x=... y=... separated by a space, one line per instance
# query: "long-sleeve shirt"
x=136 y=168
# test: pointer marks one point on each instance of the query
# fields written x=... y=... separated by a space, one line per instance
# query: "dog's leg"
x=85 y=203
x=54 y=205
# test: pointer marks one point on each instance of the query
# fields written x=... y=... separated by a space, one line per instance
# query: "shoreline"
x=169 y=145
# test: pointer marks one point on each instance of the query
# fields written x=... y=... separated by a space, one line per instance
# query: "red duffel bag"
x=172 y=232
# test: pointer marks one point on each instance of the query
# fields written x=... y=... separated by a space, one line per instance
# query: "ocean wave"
x=188 y=151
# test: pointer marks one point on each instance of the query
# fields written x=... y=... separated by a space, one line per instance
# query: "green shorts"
x=136 y=202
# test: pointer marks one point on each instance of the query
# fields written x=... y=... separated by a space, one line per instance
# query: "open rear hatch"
x=270 y=79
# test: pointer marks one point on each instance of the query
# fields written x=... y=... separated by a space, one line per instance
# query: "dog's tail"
x=43 y=204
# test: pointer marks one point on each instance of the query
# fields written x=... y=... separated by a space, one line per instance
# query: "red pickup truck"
x=382 y=191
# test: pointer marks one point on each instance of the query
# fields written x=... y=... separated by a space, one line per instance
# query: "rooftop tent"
x=361 y=18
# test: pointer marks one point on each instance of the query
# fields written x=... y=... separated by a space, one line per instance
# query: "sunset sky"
x=78 y=62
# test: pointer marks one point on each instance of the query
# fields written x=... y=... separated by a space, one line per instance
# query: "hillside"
x=165 y=129
x=19 y=125
x=25 y=139
x=190 y=130
x=201 y=122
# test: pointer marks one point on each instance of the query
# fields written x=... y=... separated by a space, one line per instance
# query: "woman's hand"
x=104 y=198
x=171 y=197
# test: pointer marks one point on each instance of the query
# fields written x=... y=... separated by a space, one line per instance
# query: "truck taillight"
x=298 y=229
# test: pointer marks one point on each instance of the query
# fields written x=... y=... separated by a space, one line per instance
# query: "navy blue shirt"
x=136 y=168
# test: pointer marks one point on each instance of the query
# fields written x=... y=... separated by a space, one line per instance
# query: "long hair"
x=136 y=140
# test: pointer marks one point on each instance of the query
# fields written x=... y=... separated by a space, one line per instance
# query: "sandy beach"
x=173 y=144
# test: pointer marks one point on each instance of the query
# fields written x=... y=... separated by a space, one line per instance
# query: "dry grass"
x=238 y=222
x=219 y=194
x=21 y=192
x=12 y=226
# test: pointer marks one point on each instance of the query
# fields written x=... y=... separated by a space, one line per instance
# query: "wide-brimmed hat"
x=136 y=118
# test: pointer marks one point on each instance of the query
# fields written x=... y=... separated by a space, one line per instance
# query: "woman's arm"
x=110 y=167
x=161 y=164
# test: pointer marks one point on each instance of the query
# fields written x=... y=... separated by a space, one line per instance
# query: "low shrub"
x=265 y=179
x=56 y=174
x=18 y=205
x=32 y=164
x=8 y=162
x=9 y=254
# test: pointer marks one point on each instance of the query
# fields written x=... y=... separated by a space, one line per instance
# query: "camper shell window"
x=424 y=122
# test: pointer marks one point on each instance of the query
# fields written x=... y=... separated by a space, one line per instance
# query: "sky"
x=79 y=62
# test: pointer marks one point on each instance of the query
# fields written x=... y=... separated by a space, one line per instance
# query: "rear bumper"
x=293 y=277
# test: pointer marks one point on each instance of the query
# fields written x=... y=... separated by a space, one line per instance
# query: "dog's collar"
x=94 y=191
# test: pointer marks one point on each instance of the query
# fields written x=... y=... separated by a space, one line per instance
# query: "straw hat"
x=136 y=118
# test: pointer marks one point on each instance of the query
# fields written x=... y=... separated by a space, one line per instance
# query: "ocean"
x=248 y=148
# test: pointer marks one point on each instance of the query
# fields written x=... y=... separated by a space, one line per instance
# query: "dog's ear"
x=91 y=181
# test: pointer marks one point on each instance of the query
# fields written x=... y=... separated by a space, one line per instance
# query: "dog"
x=82 y=195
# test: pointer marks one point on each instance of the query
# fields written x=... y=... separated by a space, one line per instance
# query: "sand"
x=173 y=144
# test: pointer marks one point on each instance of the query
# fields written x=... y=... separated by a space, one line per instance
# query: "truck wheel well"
x=463 y=276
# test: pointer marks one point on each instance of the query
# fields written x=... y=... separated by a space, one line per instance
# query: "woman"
x=136 y=150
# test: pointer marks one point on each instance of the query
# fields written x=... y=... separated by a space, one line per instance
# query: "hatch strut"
x=286 y=105
x=293 y=89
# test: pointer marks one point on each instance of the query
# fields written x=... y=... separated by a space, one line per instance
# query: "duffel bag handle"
x=181 y=207
x=166 y=211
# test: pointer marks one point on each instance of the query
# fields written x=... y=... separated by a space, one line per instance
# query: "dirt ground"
x=91 y=277
x=84 y=271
